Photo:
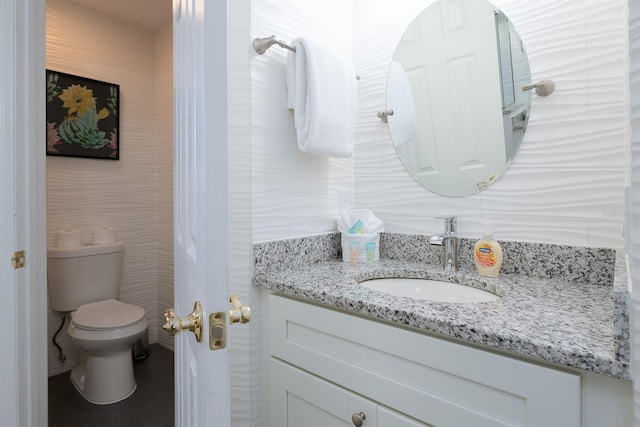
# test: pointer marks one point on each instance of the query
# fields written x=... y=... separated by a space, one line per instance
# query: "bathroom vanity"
x=547 y=353
x=326 y=367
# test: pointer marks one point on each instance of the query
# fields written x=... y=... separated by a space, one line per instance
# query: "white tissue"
x=68 y=239
x=104 y=235
x=348 y=217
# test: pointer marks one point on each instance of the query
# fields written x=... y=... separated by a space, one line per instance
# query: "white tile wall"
x=566 y=183
x=133 y=194
x=244 y=348
x=294 y=193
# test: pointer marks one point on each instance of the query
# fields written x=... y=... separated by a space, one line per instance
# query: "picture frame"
x=82 y=117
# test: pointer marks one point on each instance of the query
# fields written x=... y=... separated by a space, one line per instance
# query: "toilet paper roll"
x=104 y=235
x=68 y=239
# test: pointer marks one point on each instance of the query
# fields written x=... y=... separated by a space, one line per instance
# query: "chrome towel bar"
x=262 y=44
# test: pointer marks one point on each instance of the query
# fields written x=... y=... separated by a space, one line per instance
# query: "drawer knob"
x=358 y=419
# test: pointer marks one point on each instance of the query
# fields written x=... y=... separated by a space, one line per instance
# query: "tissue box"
x=361 y=240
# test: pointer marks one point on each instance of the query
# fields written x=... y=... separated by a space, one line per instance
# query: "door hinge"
x=19 y=259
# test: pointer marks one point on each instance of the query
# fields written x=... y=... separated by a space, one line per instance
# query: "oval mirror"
x=455 y=89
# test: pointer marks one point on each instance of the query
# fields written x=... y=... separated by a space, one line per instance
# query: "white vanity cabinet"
x=326 y=365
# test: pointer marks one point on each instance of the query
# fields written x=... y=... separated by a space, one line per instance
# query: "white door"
x=23 y=395
x=200 y=223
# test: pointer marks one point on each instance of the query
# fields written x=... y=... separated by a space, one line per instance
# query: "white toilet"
x=86 y=281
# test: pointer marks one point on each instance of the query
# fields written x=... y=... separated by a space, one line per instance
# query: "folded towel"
x=322 y=93
x=402 y=124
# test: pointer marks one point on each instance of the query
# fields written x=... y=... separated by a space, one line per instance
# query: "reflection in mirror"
x=455 y=88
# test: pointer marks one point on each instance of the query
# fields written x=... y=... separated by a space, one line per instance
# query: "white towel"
x=322 y=93
x=402 y=124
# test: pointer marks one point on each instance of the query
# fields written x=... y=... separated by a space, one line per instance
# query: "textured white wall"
x=294 y=193
x=244 y=348
x=131 y=194
x=285 y=192
x=566 y=183
x=163 y=50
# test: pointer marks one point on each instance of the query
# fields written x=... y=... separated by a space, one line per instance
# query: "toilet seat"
x=106 y=315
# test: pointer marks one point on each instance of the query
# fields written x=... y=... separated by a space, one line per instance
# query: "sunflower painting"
x=82 y=117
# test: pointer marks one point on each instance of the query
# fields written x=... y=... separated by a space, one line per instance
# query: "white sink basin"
x=432 y=290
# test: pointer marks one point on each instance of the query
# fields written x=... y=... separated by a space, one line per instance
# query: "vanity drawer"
x=433 y=380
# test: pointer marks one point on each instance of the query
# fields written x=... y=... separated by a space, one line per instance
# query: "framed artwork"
x=82 y=117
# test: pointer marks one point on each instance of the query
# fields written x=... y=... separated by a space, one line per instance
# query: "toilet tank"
x=85 y=274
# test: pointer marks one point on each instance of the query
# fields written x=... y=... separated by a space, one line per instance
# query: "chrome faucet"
x=449 y=239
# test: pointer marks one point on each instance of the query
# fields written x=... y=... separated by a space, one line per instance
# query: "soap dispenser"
x=487 y=254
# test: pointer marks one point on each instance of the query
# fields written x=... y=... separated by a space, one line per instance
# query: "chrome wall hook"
x=382 y=115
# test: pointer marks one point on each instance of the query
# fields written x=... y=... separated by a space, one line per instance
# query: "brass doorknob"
x=192 y=322
x=239 y=313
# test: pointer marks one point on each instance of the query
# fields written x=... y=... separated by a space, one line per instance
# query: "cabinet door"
x=299 y=399
x=390 y=418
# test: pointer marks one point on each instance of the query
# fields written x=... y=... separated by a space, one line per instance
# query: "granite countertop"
x=552 y=320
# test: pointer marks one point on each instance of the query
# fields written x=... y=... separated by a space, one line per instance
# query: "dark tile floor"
x=150 y=405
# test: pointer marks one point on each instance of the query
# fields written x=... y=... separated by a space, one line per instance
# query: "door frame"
x=23 y=399
x=23 y=213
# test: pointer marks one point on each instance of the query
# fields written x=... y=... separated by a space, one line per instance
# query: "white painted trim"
x=8 y=282
x=23 y=217
x=32 y=223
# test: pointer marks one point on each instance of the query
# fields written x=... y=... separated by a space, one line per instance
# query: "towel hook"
x=382 y=115
x=543 y=87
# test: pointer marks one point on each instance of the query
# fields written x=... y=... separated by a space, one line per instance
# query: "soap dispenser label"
x=485 y=255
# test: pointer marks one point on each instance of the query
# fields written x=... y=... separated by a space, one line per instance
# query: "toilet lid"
x=109 y=314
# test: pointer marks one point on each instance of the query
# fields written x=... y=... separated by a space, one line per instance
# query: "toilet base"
x=104 y=380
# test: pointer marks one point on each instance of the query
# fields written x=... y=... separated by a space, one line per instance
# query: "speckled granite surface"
x=573 y=318
x=283 y=254
x=573 y=263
